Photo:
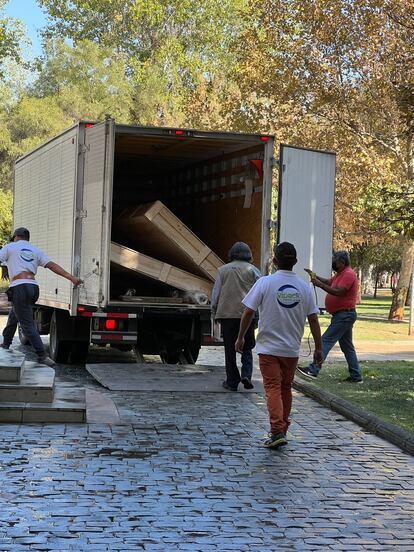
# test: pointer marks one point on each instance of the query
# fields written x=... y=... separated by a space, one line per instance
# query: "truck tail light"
x=110 y=324
x=264 y=138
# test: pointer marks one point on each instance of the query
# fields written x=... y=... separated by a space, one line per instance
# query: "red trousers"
x=278 y=373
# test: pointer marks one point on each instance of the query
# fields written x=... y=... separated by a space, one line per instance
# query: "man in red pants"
x=284 y=301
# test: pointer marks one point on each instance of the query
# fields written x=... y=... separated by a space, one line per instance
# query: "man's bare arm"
x=57 y=269
x=322 y=283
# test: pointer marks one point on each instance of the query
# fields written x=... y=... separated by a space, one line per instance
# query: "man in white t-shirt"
x=22 y=260
x=284 y=301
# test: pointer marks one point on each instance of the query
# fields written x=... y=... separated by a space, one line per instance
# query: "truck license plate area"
x=114 y=327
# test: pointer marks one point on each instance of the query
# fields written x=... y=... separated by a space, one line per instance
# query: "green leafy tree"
x=171 y=49
x=6 y=202
x=346 y=68
x=11 y=38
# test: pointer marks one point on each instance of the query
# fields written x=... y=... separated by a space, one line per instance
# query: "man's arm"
x=245 y=322
x=4 y=254
x=57 y=269
x=316 y=334
x=324 y=284
x=215 y=294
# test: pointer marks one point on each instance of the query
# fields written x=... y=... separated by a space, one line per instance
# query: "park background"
x=327 y=74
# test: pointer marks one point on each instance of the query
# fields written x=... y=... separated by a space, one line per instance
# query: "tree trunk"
x=400 y=295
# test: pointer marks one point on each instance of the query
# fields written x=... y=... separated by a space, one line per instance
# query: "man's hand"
x=239 y=345
x=312 y=274
x=318 y=357
x=76 y=281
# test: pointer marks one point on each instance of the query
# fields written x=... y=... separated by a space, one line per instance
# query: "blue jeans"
x=23 y=297
x=340 y=329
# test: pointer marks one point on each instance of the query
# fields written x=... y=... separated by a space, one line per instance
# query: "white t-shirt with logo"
x=22 y=256
x=284 y=301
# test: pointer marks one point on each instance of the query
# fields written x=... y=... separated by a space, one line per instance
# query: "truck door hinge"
x=271 y=224
x=83 y=149
x=274 y=162
x=81 y=213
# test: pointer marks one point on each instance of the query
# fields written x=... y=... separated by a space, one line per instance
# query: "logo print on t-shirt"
x=288 y=296
x=27 y=255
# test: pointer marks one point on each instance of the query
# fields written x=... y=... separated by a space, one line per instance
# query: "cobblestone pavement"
x=186 y=472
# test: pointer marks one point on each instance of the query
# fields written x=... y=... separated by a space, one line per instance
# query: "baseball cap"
x=21 y=232
x=285 y=250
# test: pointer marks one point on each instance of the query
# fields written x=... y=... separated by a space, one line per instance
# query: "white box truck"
x=70 y=191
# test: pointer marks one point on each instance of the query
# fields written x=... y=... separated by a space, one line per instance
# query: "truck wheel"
x=187 y=355
x=59 y=349
x=79 y=352
x=191 y=353
x=22 y=338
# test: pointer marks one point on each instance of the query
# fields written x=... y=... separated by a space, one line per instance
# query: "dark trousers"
x=230 y=329
x=23 y=297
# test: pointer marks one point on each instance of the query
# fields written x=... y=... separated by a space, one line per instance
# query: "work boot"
x=5 y=346
x=44 y=359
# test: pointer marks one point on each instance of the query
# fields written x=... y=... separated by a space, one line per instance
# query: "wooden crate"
x=158 y=270
x=156 y=231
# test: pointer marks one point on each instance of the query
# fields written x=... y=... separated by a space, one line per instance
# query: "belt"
x=343 y=310
x=24 y=276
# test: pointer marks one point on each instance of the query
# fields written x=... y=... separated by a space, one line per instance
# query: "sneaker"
x=228 y=387
x=306 y=372
x=350 y=379
x=5 y=346
x=46 y=360
x=247 y=383
x=275 y=440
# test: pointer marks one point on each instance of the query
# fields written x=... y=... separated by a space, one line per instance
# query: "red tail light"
x=264 y=138
x=110 y=324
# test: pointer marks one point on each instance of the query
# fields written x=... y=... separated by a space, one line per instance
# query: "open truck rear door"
x=95 y=213
x=306 y=208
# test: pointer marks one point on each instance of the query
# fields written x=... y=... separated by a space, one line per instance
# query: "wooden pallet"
x=158 y=270
x=157 y=232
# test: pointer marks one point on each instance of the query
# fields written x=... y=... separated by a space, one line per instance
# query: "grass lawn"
x=379 y=306
x=374 y=330
x=387 y=391
x=379 y=328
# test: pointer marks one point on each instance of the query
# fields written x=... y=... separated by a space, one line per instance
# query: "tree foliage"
x=330 y=74
x=6 y=201
x=11 y=36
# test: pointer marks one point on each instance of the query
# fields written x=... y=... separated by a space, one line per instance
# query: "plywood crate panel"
x=156 y=231
x=158 y=270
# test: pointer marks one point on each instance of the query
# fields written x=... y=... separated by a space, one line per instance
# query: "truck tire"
x=186 y=355
x=22 y=338
x=79 y=352
x=59 y=349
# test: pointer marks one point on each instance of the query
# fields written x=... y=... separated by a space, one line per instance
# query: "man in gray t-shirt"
x=22 y=260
